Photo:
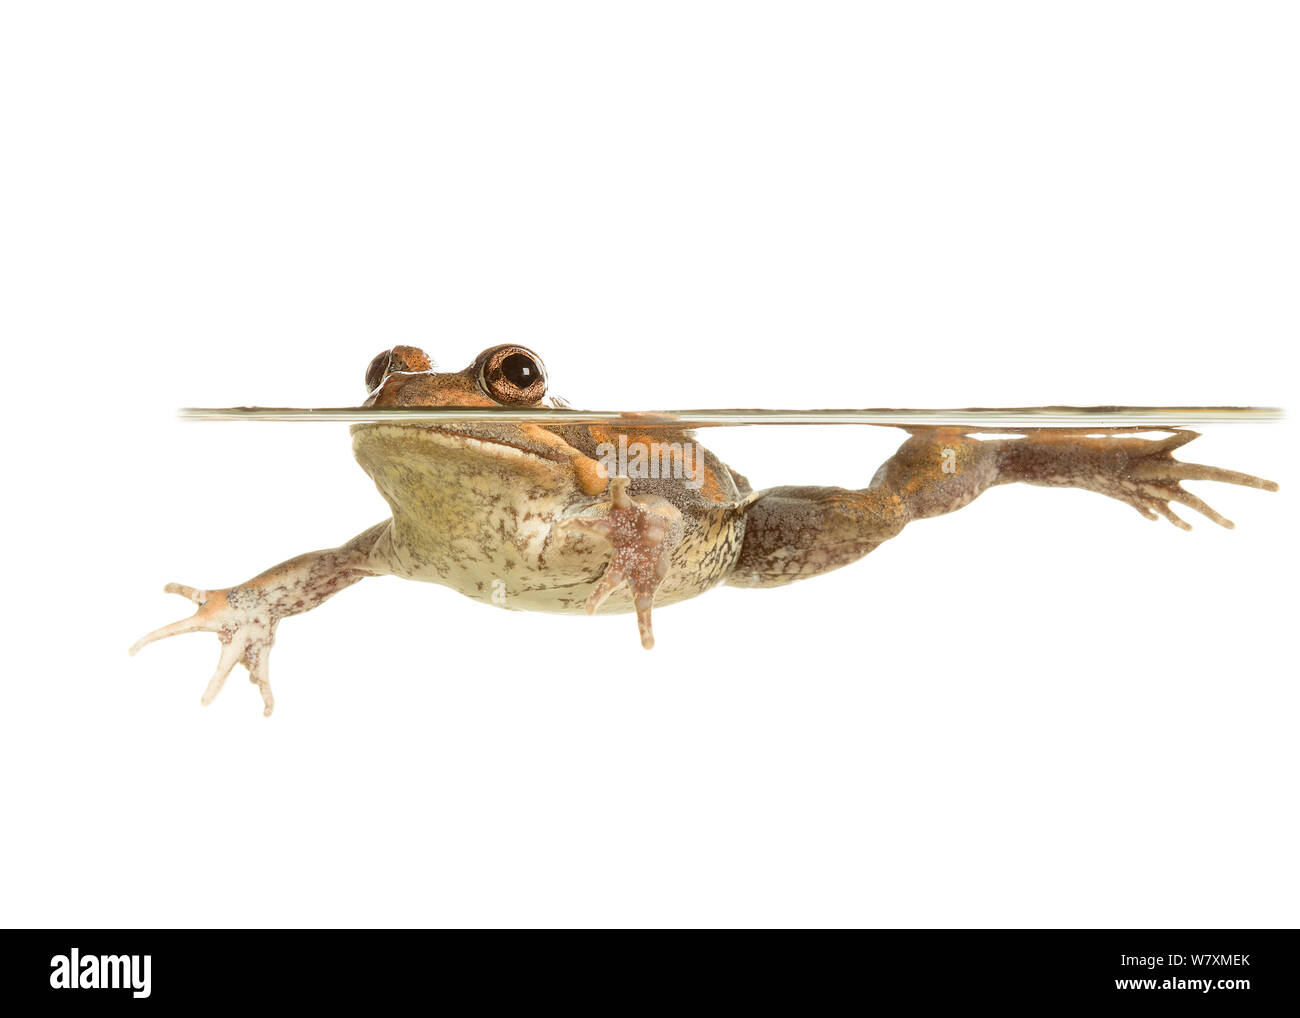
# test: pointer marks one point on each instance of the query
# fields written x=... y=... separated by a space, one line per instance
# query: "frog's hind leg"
x=793 y=533
x=643 y=532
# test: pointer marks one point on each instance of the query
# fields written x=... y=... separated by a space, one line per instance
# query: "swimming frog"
x=596 y=519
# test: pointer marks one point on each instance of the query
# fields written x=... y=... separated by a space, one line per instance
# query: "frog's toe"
x=245 y=639
x=230 y=654
x=644 y=531
x=202 y=621
x=255 y=660
x=190 y=625
x=199 y=597
x=1152 y=482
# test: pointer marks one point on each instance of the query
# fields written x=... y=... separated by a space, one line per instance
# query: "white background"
x=1040 y=711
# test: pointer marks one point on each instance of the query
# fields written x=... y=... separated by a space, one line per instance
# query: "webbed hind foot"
x=1140 y=472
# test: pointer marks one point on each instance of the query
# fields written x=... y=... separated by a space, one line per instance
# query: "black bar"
x=1228 y=971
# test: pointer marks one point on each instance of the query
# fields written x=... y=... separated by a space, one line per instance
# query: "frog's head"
x=506 y=375
x=501 y=376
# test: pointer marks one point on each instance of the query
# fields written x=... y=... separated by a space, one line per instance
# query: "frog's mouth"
x=499 y=440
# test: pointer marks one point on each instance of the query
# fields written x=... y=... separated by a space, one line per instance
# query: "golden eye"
x=512 y=374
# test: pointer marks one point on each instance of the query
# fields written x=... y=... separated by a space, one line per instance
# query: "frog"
x=601 y=518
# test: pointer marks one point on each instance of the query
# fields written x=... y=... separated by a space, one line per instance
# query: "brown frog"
x=584 y=518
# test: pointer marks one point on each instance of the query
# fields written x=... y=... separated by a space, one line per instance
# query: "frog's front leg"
x=245 y=617
x=643 y=531
x=792 y=533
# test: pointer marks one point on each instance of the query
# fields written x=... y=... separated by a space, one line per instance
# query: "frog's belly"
x=523 y=562
x=511 y=557
x=484 y=520
x=487 y=528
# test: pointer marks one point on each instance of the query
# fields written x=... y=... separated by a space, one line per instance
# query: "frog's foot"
x=644 y=531
x=1153 y=479
x=245 y=627
x=1144 y=474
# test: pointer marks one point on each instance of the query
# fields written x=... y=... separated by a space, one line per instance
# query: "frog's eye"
x=377 y=370
x=512 y=374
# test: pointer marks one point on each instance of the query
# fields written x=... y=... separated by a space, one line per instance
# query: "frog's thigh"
x=795 y=532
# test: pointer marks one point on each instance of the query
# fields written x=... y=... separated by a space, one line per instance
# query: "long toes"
x=256 y=660
x=259 y=675
x=643 y=605
x=194 y=624
x=1164 y=510
x=1192 y=502
x=609 y=581
x=199 y=597
x=1176 y=441
x=1201 y=472
x=230 y=654
x=268 y=701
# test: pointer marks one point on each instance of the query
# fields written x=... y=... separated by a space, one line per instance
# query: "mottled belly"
x=486 y=525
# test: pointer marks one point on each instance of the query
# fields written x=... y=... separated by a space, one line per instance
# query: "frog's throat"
x=538 y=443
